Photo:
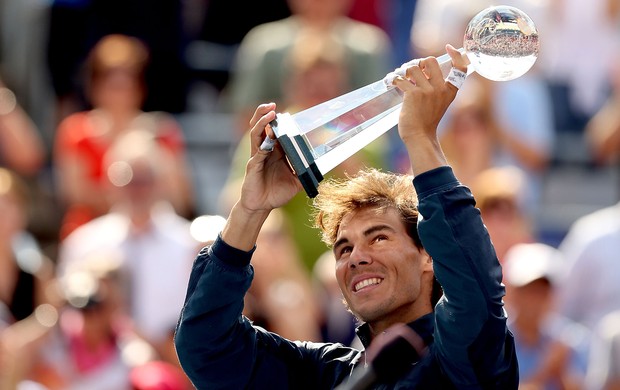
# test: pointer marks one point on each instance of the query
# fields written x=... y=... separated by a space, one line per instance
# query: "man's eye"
x=345 y=250
x=380 y=238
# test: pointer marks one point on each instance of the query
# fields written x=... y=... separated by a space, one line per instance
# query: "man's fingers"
x=432 y=71
x=260 y=111
x=264 y=114
x=402 y=83
x=426 y=72
x=417 y=76
x=459 y=60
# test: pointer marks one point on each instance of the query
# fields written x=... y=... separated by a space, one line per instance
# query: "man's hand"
x=269 y=183
x=427 y=96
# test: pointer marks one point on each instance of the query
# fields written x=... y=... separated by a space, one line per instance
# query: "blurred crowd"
x=99 y=202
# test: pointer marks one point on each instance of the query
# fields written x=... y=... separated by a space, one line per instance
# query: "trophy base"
x=300 y=158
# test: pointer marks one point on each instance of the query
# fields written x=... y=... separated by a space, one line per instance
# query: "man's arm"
x=220 y=349
x=210 y=320
x=471 y=337
x=217 y=346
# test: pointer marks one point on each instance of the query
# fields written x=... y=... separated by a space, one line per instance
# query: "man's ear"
x=427 y=261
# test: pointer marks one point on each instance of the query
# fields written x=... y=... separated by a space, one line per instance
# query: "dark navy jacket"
x=469 y=344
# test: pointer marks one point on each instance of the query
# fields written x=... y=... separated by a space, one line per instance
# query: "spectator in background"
x=603 y=129
x=282 y=298
x=76 y=26
x=21 y=145
x=153 y=241
x=588 y=31
x=87 y=343
x=604 y=362
x=83 y=350
x=590 y=286
x=24 y=151
x=499 y=196
x=596 y=249
x=23 y=36
x=337 y=324
x=159 y=375
x=116 y=89
x=552 y=351
x=213 y=44
x=589 y=289
x=469 y=135
x=25 y=271
x=314 y=70
x=26 y=276
x=259 y=64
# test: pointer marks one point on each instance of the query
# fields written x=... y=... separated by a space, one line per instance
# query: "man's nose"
x=359 y=256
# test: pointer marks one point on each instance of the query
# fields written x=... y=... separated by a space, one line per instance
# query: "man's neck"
x=380 y=326
x=423 y=326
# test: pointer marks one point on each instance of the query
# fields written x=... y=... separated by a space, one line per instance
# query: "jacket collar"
x=423 y=326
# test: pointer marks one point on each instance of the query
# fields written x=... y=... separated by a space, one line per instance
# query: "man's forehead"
x=366 y=217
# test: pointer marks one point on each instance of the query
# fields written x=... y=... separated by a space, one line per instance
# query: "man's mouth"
x=365 y=283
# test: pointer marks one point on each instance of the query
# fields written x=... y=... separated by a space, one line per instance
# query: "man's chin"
x=368 y=314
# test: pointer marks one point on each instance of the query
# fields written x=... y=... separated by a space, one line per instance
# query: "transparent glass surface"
x=330 y=124
x=501 y=42
x=333 y=124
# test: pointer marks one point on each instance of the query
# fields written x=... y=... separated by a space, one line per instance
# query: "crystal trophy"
x=501 y=43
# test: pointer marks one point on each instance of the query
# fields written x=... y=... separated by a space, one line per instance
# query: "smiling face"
x=384 y=277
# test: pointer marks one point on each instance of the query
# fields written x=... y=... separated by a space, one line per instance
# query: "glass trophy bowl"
x=501 y=43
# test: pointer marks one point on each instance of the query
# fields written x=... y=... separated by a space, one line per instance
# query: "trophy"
x=501 y=43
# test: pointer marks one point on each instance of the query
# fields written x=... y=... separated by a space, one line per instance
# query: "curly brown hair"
x=369 y=188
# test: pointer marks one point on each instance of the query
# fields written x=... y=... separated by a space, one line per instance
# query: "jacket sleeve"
x=211 y=323
x=471 y=336
x=219 y=348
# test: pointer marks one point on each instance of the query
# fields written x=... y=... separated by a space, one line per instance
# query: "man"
x=590 y=249
x=261 y=59
x=551 y=349
x=385 y=274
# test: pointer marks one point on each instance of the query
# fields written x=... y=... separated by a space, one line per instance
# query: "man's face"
x=379 y=269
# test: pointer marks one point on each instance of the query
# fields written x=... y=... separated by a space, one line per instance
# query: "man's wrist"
x=243 y=226
x=424 y=152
